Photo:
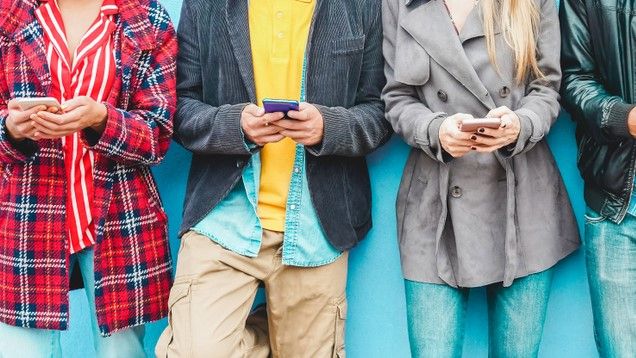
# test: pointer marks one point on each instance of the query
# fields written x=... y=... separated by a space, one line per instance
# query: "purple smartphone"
x=279 y=105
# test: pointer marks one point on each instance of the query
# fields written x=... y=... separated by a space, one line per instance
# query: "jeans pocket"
x=339 y=331
x=592 y=217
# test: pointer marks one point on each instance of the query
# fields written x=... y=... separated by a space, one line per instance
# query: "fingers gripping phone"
x=473 y=124
x=29 y=102
x=280 y=105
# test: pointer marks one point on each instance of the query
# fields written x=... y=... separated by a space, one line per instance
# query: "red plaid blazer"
x=132 y=260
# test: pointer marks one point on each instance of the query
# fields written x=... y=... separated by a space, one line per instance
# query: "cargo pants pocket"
x=339 y=331
x=175 y=341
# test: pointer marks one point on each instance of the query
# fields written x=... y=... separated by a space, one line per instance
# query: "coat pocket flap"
x=348 y=45
x=412 y=64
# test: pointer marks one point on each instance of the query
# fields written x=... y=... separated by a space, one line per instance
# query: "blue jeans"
x=516 y=315
x=43 y=343
x=610 y=254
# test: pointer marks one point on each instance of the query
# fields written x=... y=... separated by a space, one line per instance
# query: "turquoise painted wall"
x=376 y=327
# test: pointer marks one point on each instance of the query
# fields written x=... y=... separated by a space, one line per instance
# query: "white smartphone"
x=30 y=102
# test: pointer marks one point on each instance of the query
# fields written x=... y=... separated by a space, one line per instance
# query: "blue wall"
x=376 y=326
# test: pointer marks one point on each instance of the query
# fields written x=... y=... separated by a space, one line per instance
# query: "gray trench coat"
x=433 y=73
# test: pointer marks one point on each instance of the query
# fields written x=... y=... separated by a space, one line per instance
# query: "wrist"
x=12 y=133
x=100 y=122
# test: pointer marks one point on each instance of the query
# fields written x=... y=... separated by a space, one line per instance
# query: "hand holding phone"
x=473 y=124
x=18 y=123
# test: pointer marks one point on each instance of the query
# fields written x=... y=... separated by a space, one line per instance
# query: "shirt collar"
x=109 y=7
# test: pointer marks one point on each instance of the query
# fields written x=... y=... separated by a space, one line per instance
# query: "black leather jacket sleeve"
x=603 y=115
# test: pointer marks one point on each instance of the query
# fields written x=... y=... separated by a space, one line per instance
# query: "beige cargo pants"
x=213 y=294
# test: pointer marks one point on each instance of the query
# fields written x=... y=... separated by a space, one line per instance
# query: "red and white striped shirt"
x=90 y=72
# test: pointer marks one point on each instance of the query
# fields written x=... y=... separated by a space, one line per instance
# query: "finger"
x=491 y=132
x=50 y=131
x=254 y=110
x=75 y=103
x=456 y=134
x=67 y=117
x=53 y=109
x=506 y=120
x=265 y=131
x=65 y=127
x=24 y=116
x=295 y=135
x=273 y=138
x=25 y=128
x=273 y=117
x=498 y=112
x=489 y=141
x=484 y=149
x=301 y=115
x=39 y=136
x=291 y=124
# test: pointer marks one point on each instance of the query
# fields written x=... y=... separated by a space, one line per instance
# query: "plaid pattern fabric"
x=132 y=260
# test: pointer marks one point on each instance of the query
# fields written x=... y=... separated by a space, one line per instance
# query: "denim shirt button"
x=296 y=170
x=292 y=206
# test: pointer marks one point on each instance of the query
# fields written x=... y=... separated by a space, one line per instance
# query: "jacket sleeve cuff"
x=525 y=134
x=14 y=150
x=93 y=139
x=617 y=118
x=431 y=135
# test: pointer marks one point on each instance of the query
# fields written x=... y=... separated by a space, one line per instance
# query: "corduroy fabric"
x=345 y=77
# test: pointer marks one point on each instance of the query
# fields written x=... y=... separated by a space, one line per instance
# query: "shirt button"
x=281 y=35
x=296 y=170
x=292 y=206
x=279 y=15
x=456 y=192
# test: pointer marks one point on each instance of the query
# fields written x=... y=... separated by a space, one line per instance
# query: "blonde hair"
x=519 y=23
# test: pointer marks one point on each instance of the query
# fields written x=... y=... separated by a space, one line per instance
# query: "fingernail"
x=473 y=137
x=481 y=130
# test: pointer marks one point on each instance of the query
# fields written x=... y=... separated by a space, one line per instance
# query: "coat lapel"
x=31 y=43
x=133 y=35
x=474 y=27
x=430 y=25
x=236 y=14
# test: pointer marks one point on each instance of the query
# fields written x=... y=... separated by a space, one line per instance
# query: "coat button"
x=442 y=96
x=504 y=91
x=239 y=163
x=456 y=192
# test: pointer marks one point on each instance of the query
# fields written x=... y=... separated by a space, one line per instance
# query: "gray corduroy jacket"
x=344 y=80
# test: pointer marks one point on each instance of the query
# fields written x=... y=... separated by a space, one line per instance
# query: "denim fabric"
x=44 y=343
x=631 y=209
x=345 y=77
x=516 y=314
x=610 y=252
x=234 y=224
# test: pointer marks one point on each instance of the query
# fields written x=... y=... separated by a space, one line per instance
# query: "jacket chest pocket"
x=346 y=66
x=412 y=64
